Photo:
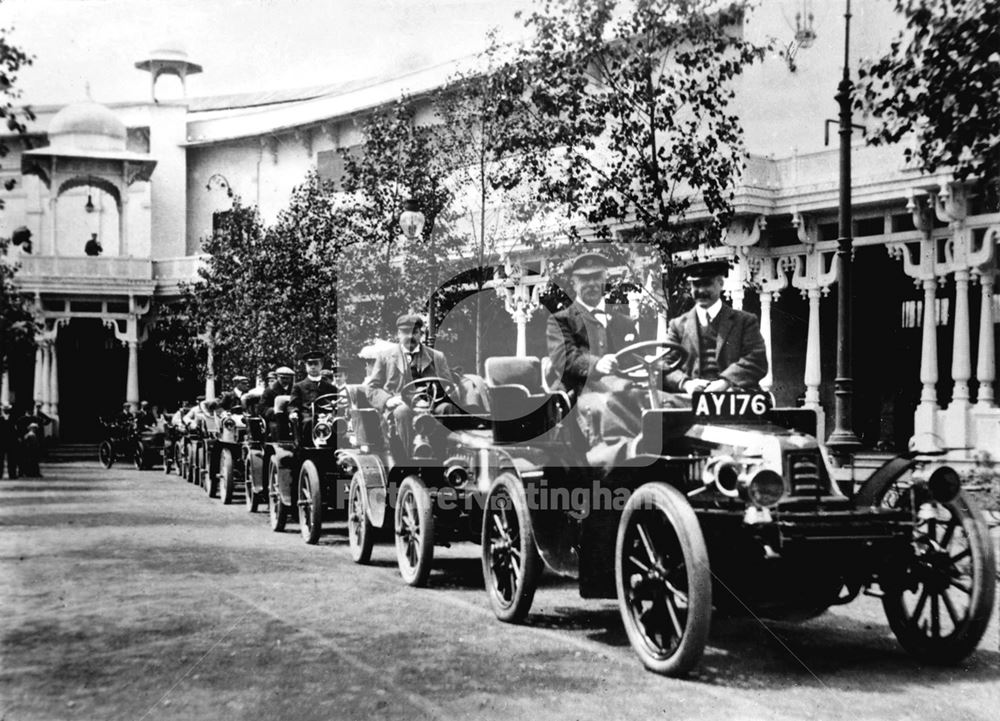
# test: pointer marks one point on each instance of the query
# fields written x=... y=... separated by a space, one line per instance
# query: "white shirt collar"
x=603 y=317
x=315 y=379
x=711 y=312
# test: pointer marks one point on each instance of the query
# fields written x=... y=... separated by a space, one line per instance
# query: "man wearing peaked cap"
x=582 y=341
x=282 y=386
x=725 y=347
x=241 y=384
x=307 y=390
x=407 y=361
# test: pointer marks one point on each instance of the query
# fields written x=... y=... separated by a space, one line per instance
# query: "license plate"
x=730 y=405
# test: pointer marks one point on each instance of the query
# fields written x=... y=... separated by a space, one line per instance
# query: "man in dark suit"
x=282 y=386
x=582 y=341
x=406 y=361
x=307 y=390
x=8 y=441
x=230 y=398
x=725 y=348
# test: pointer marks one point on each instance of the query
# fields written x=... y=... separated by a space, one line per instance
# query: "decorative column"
x=920 y=263
x=132 y=381
x=46 y=376
x=52 y=246
x=131 y=332
x=814 y=272
x=986 y=363
x=951 y=206
x=5 y=388
x=36 y=388
x=741 y=238
x=123 y=223
x=54 y=382
x=770 y=279
x=208 y=338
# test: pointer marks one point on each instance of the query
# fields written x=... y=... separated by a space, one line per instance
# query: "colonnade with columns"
x=965 y=257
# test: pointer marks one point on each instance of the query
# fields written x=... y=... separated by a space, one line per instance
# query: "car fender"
x=284 y=460
x=376 y=484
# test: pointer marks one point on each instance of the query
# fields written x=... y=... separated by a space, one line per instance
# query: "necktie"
x=601 y=316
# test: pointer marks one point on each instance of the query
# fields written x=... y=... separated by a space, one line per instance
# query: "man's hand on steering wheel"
x=607 y=364
x=435 y=388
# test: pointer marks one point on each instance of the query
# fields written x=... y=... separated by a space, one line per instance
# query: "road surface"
x=131 y=595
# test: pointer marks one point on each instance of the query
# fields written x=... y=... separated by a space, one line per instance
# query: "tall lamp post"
x=842 y=440
x=411 y=223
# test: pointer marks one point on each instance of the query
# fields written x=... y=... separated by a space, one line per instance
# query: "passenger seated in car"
x=725 y=349
x=406 y=361
x=308 y=390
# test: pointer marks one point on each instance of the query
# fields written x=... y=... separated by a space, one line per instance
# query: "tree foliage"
x=632 y=104
x=941 y=80
x=12 y=60
x=381 y=273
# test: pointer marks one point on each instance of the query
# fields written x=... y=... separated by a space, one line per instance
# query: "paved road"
x=130 y=595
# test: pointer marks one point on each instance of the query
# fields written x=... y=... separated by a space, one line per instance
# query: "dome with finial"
x=87 y=126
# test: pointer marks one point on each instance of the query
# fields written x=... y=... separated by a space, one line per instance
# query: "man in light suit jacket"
x=406 y=361
x=582 y=341
x=725 y=348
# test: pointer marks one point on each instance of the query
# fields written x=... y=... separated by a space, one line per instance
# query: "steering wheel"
x=328 y=403
x=650 y=368
x=434 y=388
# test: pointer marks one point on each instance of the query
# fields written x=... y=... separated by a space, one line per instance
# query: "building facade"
x=157 y=173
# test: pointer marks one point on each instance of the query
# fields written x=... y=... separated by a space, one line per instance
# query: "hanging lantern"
x=411 y=220
x=89 y=207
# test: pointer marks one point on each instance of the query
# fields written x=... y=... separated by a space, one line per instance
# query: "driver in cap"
x=582 y=341
x=407 y=361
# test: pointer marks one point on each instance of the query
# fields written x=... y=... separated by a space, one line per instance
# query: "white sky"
x=243 y=45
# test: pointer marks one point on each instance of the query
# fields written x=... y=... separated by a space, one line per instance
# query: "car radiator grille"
x=805 y=471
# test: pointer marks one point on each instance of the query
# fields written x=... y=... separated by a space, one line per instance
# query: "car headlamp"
x=321 y=433
x=766 y=488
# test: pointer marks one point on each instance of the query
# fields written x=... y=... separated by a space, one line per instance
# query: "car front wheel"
x=662 y=579
x=360 y=532
x=310 y=503
x=511 y=564
x=414 y=532
x=277 y=511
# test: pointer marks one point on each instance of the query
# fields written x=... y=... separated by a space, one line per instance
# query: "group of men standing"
x=21 y=441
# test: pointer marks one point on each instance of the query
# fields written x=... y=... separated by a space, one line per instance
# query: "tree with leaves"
x=631 y=103
x=941 y=81
x=381 y=274
x=17 y=326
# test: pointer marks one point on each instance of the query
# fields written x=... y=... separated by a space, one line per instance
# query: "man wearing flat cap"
x=241 y=384
x=282 y=386
x=307 y=390
x=406 y=361
x=582 y=341
x=725 y=347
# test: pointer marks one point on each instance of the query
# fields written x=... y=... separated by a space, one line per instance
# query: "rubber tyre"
x=360 y=532
x=310 y=503
x=414 y=531
x=661 y=557
x=139 y=457
x=960 y=565
x=277 y=511
x=106 y=454
x=211 y=479
x=252 y=500
x=511 y=564
x=227 y=476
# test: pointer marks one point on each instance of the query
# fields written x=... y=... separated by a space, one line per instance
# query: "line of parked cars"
x=729 y=504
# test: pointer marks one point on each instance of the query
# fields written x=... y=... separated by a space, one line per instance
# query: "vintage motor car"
x=732 y=504
x=433 y=493
x=124 y=440
x=229 y=450
x=307 y=474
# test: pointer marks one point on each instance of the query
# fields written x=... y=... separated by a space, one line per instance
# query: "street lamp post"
x=411 y=222
x=842 y=440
